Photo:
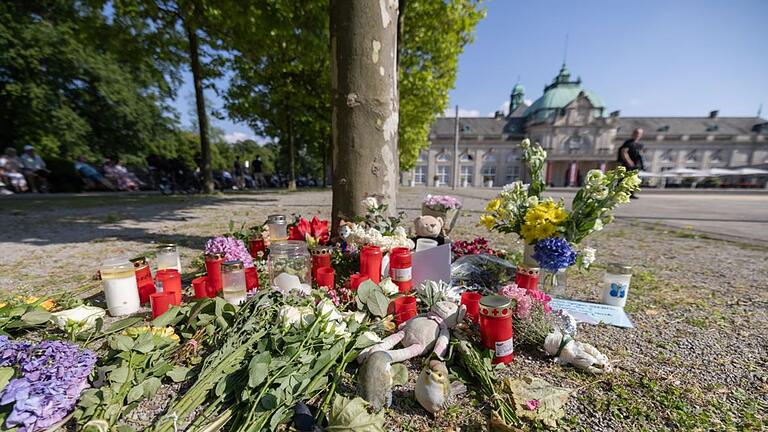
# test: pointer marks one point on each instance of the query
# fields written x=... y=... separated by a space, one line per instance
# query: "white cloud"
x=234 y=137
x=451 y=112
x=528 y=102
x=504 y=107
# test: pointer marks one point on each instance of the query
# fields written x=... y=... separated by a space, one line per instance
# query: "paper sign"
x=593 y=313
x=432 y=264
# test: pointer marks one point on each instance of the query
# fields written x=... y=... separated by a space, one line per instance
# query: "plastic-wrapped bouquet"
x=232 y=249
x=531 y=319
x=441 y=202
x=52 y=376
x=472 y=247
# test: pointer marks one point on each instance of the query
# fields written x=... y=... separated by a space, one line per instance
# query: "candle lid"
x=166 y=246
x=233 y=265
x=288 y=246
x=276 y=218
x=528 y=270
x=214 y=256
x=139 y=262
x=495 y=306
x=618 y=268
x=121 y=263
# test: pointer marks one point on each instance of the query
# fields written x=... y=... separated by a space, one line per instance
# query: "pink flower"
x=523 y=303
x=542 y=298
x=532 y=405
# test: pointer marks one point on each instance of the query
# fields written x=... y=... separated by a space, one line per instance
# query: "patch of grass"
x=698 y=322
x=111 y=217
x=687 y=234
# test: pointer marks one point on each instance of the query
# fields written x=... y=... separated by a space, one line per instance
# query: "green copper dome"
x=560 y=93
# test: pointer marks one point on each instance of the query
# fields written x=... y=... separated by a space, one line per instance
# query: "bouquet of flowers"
x=547 y=225
x=313 y=232
x=530 y=320
x=232 y=249
x=471 y=247
x=378 y=229
x=441 y=203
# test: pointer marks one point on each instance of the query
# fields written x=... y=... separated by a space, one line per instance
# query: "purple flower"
x=232 y=249
x=441 y=202
x=554 y=253
x=53 y=374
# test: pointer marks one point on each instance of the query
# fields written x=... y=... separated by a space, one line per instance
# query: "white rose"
x=289 y=315
x=307 y=315
x=588 y=256
x=357 y=317
x=337 y=328
x=389 y=287
x=83 y=315
x=598 y=225
x=327 y=309
x=370 y=203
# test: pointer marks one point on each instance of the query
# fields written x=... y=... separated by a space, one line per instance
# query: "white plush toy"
x=580 y=354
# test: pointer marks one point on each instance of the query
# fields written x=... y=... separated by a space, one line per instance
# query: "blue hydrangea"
x=554 y=253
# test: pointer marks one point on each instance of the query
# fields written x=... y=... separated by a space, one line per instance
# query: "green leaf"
x=6 y=374
x=378 y=304
x=144 y=343
x=258 y=368
x=122 y=343
x=123 y=324
x=167 y=318
x=399 y=374
x=151 y=386
x=136 y=393
x=119 y=375
x=352 y=415
x=280 y=415
x=36 y=317
x=365 y=290
x=269 y=401
x=178 y=374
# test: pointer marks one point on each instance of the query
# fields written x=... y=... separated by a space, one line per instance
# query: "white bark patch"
x=388 y=160
x=352 y=100
x=381 y=70
x=376 y=48
x=390 y=127
x=385 y=19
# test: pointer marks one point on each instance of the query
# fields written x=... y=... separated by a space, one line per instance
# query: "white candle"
x=119 y=279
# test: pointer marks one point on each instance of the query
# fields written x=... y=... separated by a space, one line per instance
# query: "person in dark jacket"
x=629 y=153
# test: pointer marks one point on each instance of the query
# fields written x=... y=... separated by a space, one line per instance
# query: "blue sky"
x=645 y=58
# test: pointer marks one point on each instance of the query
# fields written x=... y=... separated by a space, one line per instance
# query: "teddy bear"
x=429 y=227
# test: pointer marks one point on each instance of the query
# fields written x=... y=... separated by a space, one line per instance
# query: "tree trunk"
x=365 y=104
x=202 y=117
x=291 y=157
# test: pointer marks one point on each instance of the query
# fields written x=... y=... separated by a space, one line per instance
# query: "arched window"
x=422 y=156
x=692 y=156
x=513 y=157
x=717 y=156
x=489 y=157
x=466 y=157
x=444 y=157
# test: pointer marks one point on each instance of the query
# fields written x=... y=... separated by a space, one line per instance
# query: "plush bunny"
x=422 y=334
x=580 y=354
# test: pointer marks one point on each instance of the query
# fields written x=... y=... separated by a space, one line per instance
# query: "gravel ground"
x=696 y=359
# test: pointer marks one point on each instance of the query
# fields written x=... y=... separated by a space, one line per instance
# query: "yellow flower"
x=488 y=221
x=166 y=332
x=542 y=220
x=493 y=205
x=47 y=305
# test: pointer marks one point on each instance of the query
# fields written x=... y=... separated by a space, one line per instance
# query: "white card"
x=593 y=313
x=432 y=264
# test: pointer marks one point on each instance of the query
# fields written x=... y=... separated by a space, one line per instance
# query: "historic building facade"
x=571 y=124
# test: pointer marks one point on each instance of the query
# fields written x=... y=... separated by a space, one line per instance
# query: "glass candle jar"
x=233 y=281
x=168 y=257
x=278 y=228
x=291 y=257
x=616 y=284
x=119 y=279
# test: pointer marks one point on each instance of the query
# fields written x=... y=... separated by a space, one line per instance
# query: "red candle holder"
x=171 y=283
x=213 y=268
x=321 y=257
x=472 y=301
x=400 y=268
x=144 y=281
x=370 y=263
x=355 y=280
x=405 y=309
x=200 y=286
x=496 y=330
x=325 y=277
x=160 y=302
x=251 y=278
x=256 y=245
x=527 y=277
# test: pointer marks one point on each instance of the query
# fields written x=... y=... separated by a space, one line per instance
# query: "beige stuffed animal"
x=428 y=226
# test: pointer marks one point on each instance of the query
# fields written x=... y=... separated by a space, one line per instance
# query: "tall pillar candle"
x=170 y=281
x=400 y=268
x=371 y=264
x=120 y=290
x=496 y=332
x=213 y=268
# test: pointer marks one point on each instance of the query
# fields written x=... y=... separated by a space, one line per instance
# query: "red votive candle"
x=160 y=302
x=200 y=286
x=319 y=261
x=355 y=280
x=370 y=263
x=171 y=283
x=213 y=268
x=251 y=278
x=325 y=276
x=527 y=277
x=472 y=301
x=256 y=245
x=496 y=330
x=400 y=268
x=144 y=282
x=405 y=309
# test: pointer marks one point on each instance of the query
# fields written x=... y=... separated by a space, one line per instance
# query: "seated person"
x=10 y=171
x=119 y=174
x=91 y=175
x=34 y=170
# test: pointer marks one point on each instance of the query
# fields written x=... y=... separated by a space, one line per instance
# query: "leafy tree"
x=433 y=34
x=73 y=83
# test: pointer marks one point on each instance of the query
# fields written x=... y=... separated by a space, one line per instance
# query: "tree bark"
x=365 y=104
x=291 y=157
x=202 y=117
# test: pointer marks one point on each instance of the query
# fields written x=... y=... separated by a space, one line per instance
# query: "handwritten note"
x=593 y=313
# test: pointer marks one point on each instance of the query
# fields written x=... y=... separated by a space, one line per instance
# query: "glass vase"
x=554 y=283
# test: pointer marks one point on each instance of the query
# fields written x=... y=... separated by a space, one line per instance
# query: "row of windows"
x=692 y=156
x=446 y=156
x=466 y=174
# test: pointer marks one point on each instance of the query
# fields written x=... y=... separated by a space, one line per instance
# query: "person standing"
x=34 y=170
x=629 y=153
x=238 y=171
x=258 y=174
